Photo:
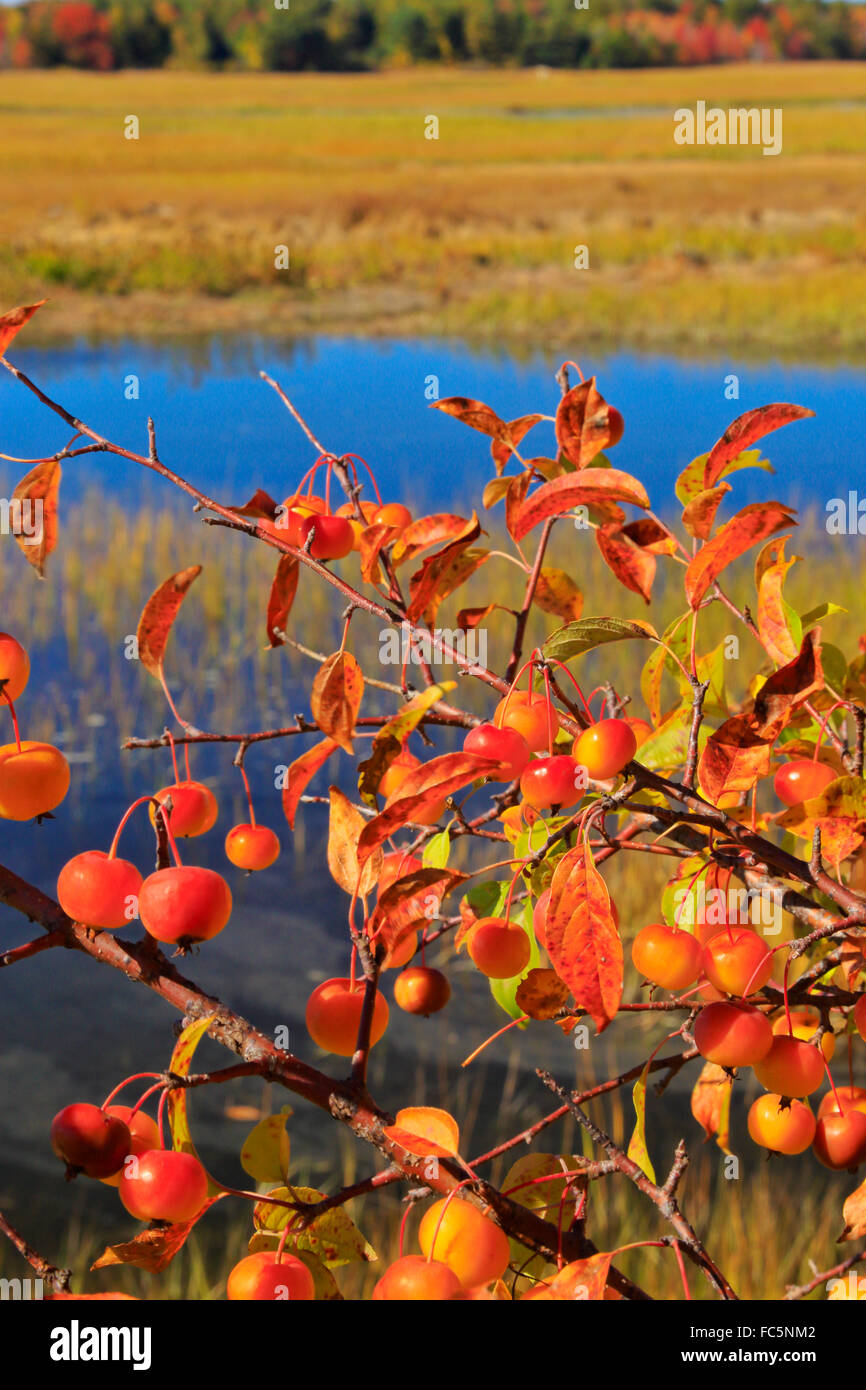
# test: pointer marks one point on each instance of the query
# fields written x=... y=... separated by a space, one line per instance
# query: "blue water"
x=223 y=428
x=68 y=1030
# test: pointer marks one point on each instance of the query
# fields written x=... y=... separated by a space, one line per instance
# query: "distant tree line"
x=354 y=35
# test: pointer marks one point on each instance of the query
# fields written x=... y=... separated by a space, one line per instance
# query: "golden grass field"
x=470 y=234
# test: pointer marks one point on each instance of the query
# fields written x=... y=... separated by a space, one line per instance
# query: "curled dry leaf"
x=344 y=829
x=301 y=772
x=336 y=697
x=542 y=994
x=37 y=496
x=159 y=613
x=152 y=1250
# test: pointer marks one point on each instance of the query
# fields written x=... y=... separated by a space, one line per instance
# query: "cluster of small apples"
x=34 y=777
x=179 y=905
x=730 y=964
x=463 y=1252
x=121 y=1146
x=334 y=534
x=333 y=1013
x=520 y=738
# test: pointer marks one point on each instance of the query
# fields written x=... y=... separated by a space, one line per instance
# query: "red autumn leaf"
x=634 y=568
x=13 y=320
x=699 y=514
x=734 y=758
x=514 y=499
x=300 y=774
x=582 y=423
x=469 y=618
x=281 y=598
x=37 y=496
x=410 y=903
x=587 y=487
x=473 y=413
x=790 y=686
x=515 y=430
x=746 y=430
x=440 y=574
x=336 y=697
x=422 y=788
x=649 y=534
x=260 y=505
x=159 y=613
x=754 y=523
x=582 y=940
x=425 y=1130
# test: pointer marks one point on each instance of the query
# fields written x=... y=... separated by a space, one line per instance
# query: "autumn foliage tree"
x=758 y=802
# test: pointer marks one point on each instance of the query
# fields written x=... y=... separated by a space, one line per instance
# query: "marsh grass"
x=473 y=233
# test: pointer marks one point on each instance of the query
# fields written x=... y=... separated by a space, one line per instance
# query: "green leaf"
x=266 y=1149
x=178 y=1121
x=333 y=1237
x=637 y=1149
x=819 y=614
x=667 y=748
x=586 y=633
x=437 y=851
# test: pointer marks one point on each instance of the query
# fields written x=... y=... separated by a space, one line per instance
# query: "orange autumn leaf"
x=583 y=1279
x=345 y=824
x=771 y=568
x=475 y=414
x=633 y=567
x=745 y=430
x=711 y=1103
x=699 y=513
x=159 y=613
x=426 y=531
x=422 y=1129
x=587 y=487
x=301 y=772
x=14 y=320
x=750 y=525
x=503 y=447
x=281 y=598
x=582 y=940
x=36 y=496
x=734 y=758
x=854 y=1214
x=583 y=423
x=542 y=994
x=336 y=697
